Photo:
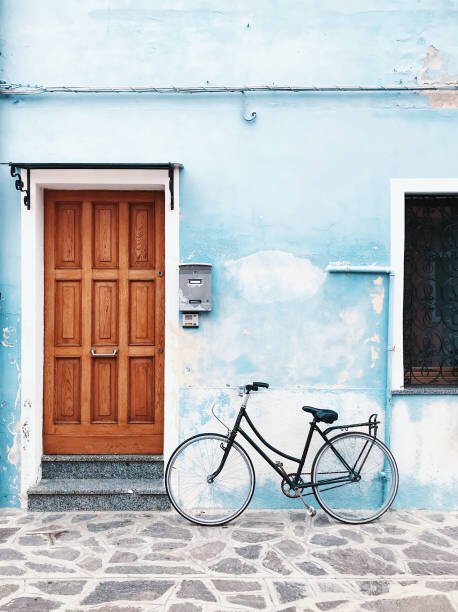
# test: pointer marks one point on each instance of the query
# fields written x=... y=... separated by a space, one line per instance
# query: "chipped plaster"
x=6 y=337
x=378 y=295
x=433 y=72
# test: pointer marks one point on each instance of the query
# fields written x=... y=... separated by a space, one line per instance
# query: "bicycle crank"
x=287 y=490
x=295 y=493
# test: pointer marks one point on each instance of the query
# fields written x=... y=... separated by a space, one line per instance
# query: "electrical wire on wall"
x=24 y=90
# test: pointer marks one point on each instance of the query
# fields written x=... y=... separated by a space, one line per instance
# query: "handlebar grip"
x=261 y=384
x=255 y=386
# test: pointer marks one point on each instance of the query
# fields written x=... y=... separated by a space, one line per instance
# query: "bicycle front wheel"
x=362 y=493
x=203 y=502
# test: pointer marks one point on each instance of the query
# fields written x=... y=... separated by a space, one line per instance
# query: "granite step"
x=103 y=466
x=68 y=494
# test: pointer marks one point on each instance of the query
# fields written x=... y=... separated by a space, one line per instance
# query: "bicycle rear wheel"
x=357 y=500
x=190 y=493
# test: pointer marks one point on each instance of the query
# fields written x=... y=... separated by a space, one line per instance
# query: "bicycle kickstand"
x=310 y=509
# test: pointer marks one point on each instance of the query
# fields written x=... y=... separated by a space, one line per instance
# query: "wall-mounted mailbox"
x=195 y=287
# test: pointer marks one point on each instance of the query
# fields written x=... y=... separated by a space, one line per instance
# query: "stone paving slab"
x=264 y=560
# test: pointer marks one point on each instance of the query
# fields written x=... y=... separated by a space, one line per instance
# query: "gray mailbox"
x=195 y=287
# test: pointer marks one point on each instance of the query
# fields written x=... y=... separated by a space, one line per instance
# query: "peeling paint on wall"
x=7 y=333
x=378 y=295
x=373 y=342
x=432 y=68
x=433 y=72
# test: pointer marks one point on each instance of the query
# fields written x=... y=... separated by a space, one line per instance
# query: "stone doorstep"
x=103 y=466
x=97 y=486
x=54 y=458
x=120 y=502
x=60 y=494
x=99 y=482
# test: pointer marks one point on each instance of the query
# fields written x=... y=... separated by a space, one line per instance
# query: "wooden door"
x=104 y=322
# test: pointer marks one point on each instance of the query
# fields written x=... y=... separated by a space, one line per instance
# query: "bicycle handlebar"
x=255 y=386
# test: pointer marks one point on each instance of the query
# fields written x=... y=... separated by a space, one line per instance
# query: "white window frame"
x=399 y=189
x=32 y=299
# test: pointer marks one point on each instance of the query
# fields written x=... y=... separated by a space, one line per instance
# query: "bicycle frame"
x=296 y=482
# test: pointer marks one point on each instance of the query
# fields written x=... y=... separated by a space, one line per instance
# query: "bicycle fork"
x=230 y=440
x=211 y=477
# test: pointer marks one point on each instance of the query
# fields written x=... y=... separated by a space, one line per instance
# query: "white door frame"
x=399 y=189
x=32 y=299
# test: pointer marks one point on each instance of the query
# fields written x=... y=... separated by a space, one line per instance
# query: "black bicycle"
x=210 y=478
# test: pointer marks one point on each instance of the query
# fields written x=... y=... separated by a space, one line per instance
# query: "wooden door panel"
x=141 y=385
x=104 y=390
x=68 y=313
x=67 y=390
x=105 y=313
x=141 y=308
x=105 y=235
x=67 y=235
x=104 y=289
x=141 y=236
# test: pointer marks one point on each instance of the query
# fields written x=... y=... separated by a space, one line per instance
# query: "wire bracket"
x=245 y=112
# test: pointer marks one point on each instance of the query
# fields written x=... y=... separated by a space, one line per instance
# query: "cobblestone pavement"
x=264 y=560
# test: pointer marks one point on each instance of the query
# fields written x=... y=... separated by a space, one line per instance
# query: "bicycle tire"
x=233 y=487
x=360 y=501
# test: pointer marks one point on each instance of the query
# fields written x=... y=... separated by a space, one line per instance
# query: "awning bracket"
x=19 y=184
x=16 y=167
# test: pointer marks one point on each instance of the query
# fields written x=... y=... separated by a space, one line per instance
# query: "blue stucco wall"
x=9 y=343
x=269 y=203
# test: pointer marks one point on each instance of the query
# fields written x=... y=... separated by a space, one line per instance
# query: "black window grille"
x=431 y=290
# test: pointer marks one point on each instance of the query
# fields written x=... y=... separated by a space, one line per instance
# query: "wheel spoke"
x=371 y=494
x=193 y=496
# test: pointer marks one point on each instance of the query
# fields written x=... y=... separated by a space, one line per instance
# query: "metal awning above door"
x=15 y=168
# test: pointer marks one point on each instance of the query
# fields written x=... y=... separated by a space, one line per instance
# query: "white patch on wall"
x=425 y=447
x=6 y=334
x=378 y=295
x=267 y=277
x=13 y=450
x=374 y=342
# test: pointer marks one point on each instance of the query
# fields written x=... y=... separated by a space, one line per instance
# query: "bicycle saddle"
x=328 y=416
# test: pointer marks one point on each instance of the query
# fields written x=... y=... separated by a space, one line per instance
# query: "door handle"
x=114 y=353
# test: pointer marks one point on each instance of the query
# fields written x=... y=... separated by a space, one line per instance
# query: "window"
x=430 y=321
